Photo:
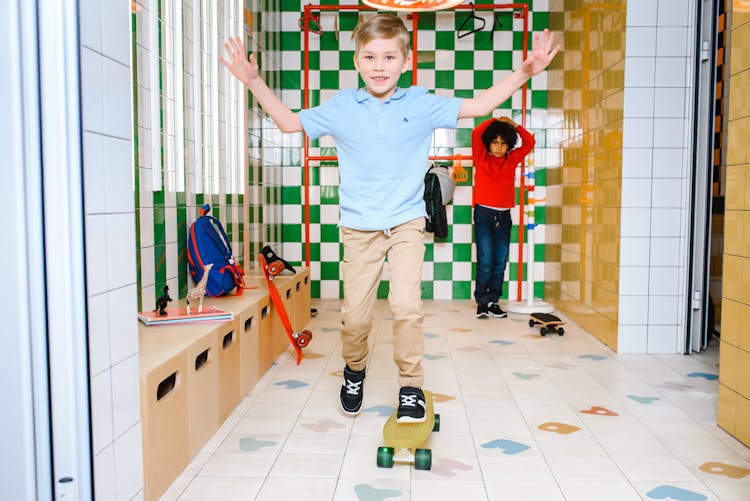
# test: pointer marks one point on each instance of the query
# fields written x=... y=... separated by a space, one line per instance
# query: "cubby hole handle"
x=166 y=386
x=288 y=293
x=201 y=359
x=249 y=324
x=264 y=312
x=298 y=284
x=228 y=340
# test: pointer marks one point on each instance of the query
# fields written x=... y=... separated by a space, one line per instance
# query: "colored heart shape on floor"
x=704 y=375
x=291 y=384
x=676 y=493
x=323 y=425
x=596 y=358
x=502 y=342
x=381 y=410
x=312 y=355
x=561 y=428
x=440 y=397
x=433 y=357
x=508 y=447
x=643 y=400
x=249 y=444
x=727 y=470
x=521 y=375
x=599 y=411
x=366 y=492
x=448 y=467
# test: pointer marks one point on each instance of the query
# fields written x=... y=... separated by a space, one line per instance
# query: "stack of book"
x=181 y=316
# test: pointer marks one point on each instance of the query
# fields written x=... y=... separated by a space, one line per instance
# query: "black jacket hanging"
x=437 y=221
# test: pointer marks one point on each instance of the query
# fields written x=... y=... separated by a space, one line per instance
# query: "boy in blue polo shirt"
x=383 y=136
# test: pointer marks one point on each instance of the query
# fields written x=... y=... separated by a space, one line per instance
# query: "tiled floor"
x=523 y=417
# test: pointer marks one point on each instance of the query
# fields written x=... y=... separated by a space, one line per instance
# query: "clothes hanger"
x=470 y=19
x=495 y=24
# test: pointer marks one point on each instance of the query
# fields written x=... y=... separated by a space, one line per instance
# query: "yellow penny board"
x=409 y=435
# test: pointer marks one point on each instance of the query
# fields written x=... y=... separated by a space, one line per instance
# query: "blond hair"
x=381 y=26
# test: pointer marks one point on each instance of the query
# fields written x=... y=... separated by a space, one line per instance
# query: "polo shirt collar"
x=363 y=95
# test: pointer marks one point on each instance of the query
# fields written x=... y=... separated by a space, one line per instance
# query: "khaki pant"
x=364 y=254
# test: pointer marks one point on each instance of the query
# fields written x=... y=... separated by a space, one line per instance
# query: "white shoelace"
x=410 y=401
x=352 y=387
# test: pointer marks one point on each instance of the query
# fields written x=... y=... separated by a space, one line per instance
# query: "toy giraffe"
x=200 y=290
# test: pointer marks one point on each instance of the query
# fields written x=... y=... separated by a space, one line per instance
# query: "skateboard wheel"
x=543 y=331
x=423 y=459
x=436 y=426
x=531 y=323
x=275 y=268
x=385 y=457
x=560 y=331
x=303 y=339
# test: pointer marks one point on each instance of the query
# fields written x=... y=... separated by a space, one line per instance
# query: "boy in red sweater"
x=495 y=161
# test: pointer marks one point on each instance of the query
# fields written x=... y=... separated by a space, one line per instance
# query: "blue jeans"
x=492 y=236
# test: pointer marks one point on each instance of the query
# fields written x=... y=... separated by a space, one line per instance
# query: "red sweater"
x=494 y=177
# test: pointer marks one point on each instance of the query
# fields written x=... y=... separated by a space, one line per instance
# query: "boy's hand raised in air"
x=541 y=53
x=238 y=65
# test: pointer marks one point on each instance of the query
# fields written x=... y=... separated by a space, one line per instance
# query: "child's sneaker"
x=352 y=391
x=411 y=405
x=482 y=311
x=495 y=310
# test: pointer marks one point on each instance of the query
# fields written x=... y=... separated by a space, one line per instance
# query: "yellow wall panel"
x=728 y=359
x=734 y=390
x=730 y=321
x=743 y=373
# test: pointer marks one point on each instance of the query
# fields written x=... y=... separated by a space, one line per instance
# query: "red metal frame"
x=308 y=15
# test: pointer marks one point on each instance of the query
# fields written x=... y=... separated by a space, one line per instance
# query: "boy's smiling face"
x=381 y=62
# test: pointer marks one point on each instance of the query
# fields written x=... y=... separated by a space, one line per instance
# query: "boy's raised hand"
x=239 y=65
x=541 y=53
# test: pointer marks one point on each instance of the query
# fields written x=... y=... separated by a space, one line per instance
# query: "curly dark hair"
x=504 y=130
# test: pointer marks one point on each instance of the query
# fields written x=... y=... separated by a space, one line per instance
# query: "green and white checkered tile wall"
x=169 y=193
x=448 y=65
x=168 y=199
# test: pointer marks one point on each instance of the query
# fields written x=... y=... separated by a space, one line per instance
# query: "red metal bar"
x=415 y=19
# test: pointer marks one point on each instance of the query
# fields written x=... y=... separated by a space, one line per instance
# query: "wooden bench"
x=193 y=375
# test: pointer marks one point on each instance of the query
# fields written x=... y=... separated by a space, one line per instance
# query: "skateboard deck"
x=549 y=323
x=402 y=439
x=298 y=340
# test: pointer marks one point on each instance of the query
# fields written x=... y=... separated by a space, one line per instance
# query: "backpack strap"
x=237 y=273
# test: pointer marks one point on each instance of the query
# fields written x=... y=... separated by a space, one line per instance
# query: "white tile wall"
x=655 y=141
x=110 y=248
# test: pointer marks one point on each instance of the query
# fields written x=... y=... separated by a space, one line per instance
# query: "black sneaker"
x=352 y=391
x=495 y=310
x=482 y=311
x=411 y=405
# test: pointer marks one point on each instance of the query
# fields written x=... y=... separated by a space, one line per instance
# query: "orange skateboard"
x=298 y=339
x=550 y=323
x=402 y=439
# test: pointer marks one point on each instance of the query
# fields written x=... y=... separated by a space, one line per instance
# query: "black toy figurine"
x=161 y=303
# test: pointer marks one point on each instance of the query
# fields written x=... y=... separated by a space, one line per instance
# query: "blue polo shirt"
x=383 y=150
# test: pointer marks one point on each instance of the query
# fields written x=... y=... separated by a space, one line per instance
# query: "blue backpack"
x=208 y=243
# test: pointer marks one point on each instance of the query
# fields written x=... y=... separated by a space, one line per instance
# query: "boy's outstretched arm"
x=539 y=58
x=246 y=72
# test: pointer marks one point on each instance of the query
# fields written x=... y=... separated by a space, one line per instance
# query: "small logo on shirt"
x=406 y=119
